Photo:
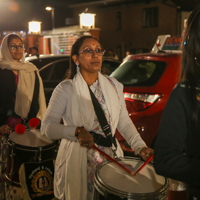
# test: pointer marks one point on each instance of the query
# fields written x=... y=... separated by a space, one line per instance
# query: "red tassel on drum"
x=34 y=122
x=20 y=128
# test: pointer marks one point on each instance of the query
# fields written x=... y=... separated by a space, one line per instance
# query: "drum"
x=30 y=146
x=111 y=180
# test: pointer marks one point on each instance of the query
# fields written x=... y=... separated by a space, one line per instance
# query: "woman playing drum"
x=76 y=162
x=21 y=88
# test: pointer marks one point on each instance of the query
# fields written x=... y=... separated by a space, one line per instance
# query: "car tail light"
x=141 y=101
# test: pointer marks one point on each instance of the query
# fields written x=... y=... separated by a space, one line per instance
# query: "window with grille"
x=119 y=21
x=150 y=17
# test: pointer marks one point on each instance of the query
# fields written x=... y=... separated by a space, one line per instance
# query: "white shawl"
x=26 y=82
x=83 y=115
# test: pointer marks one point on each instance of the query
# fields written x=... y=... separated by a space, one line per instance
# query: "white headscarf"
x=26 y=81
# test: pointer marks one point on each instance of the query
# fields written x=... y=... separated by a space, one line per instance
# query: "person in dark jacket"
x=177 y=147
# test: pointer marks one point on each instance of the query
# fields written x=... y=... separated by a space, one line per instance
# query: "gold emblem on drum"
x=42 y=182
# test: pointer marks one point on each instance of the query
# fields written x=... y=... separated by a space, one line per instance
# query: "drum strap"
x=103 y=121
x=101 y=140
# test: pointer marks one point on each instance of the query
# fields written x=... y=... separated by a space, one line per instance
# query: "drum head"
x=111 y=178
x=30 y=138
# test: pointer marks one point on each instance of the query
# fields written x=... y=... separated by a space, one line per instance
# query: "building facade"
x=132 y=25
x=120 y=25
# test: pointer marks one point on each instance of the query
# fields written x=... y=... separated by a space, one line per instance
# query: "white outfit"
x=71 y=100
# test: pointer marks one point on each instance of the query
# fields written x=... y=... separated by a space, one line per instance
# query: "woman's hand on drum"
x=146 y=152
x=84 y=137
x=5 y=129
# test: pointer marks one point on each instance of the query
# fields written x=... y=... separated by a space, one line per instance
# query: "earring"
x=77 y=64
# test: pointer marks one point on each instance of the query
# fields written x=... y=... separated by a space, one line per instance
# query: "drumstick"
x=143 y=165
x=113 y=160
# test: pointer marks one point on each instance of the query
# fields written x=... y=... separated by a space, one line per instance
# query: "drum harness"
x=109 y=141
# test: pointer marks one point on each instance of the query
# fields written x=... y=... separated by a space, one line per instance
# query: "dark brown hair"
x=191 y=58
x=75 y=49
x=12 y=36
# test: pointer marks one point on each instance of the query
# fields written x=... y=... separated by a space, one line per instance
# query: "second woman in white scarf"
x=22 y=93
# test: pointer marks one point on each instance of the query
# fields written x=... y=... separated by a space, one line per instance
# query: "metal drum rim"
x=32 y=148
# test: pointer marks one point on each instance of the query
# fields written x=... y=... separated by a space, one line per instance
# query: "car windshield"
x=139 y=72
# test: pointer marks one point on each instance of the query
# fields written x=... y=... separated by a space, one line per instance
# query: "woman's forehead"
x=16 y=40
x=90 y=42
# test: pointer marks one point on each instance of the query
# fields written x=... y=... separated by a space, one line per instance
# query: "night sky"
x=15 y=15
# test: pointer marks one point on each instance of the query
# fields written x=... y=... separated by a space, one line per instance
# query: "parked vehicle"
x=53 y=69
x=148 y=80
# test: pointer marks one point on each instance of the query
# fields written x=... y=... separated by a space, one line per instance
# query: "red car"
x=148 y=80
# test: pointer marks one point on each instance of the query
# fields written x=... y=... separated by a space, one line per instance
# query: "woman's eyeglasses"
x=15 y=47
x=90 y=52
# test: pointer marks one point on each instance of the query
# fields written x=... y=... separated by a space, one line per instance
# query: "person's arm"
x=126 y=127
x=4 y=129
x=51 y=126
x=169 y=160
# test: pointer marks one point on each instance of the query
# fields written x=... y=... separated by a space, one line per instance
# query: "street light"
x=34 y=27
x=87 y=19
x=52 y=14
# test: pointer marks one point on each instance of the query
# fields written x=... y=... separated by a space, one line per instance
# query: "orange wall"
x=32 y=40
x=40 y=45
x=95 y=33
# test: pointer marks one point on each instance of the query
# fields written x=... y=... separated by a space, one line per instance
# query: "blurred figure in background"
x=112 y=55
x=34 y=51
x=128 y=53
x=177 y=147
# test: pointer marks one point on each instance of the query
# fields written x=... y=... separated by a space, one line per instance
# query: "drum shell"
x=101 y=189
x=23 y=154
